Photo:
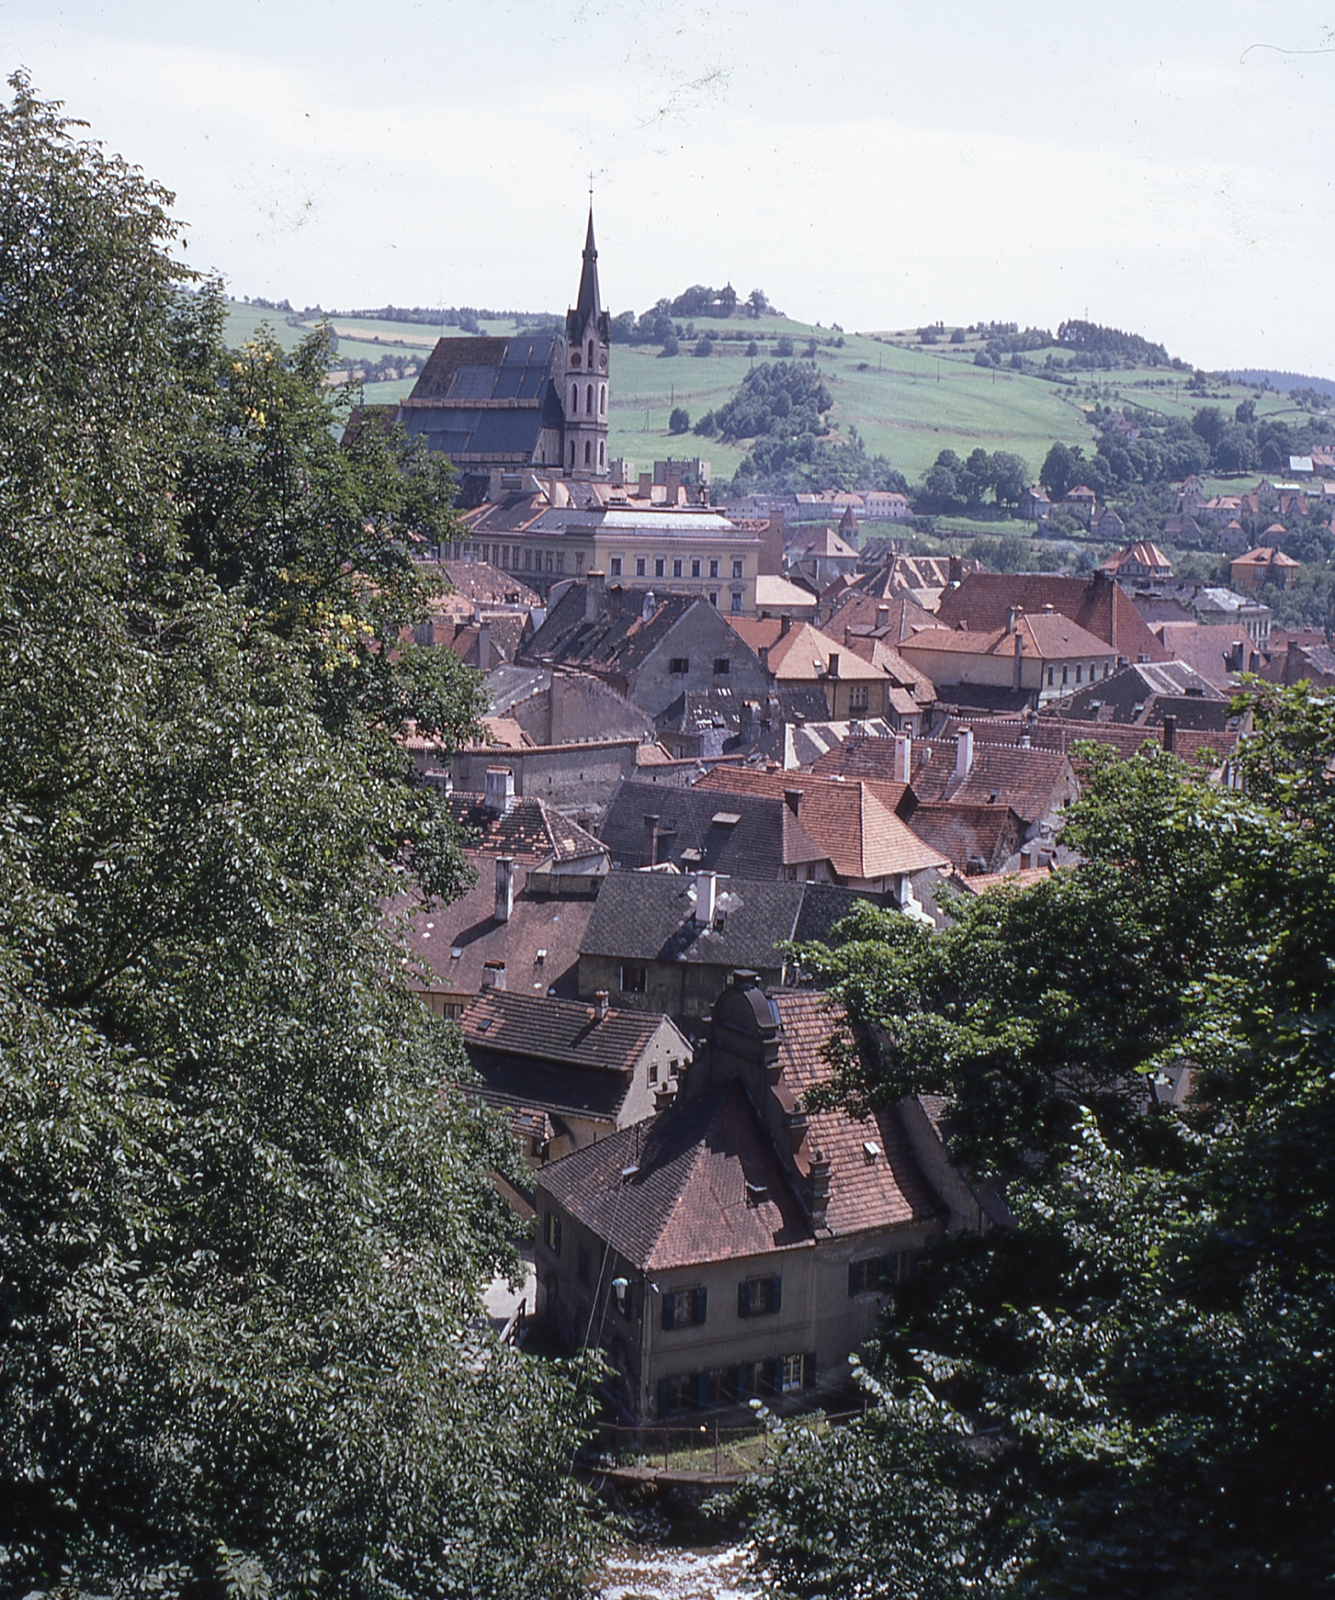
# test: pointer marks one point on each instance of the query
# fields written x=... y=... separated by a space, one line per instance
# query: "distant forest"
x=1284 y=381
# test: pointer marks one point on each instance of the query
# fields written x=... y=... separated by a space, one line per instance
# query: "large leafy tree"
x=1129 y=1390
x=242 y=1222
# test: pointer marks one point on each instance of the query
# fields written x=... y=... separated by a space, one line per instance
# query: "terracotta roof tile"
x=1098 y=605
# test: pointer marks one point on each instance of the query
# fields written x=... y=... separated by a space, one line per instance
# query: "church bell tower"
x=584 y=397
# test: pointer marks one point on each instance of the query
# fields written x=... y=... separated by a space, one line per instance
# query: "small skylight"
x=457 y=953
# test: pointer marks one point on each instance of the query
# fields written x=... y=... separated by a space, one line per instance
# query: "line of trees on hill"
x=667 y=317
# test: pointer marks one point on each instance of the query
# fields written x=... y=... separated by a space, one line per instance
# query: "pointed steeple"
x=588 y=305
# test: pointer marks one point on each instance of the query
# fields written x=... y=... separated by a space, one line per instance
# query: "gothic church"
x=524 y=402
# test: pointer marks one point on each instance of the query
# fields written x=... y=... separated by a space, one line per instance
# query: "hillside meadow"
x=908 y=400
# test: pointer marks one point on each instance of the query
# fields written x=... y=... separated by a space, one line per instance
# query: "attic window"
x=483 y=1024
x=726 y=819
x=457 y=953
x=755 y=1193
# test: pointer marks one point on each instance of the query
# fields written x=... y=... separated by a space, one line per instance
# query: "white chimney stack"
x=964 y=752
x=903 y=757
x=500 y=794
x=706 y=898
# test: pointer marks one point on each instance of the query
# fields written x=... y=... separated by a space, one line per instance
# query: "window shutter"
x=773 y=1376
x=852 y=1278
x=669 y=1310
x=739 y=1383
x=664 y=1396
x=743 y=1299
x=702 y=1388
x=776 y=1294
x=700 y=1295
x=809 y=1370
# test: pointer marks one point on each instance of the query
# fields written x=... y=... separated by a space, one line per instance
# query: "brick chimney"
x=484 y=647
x=600 y=999
x=595 y=596
x=964 y=752
x=505 y=887
x=1169 y=733
x=903 y=757
x=1017 y=677
x=956 y=570
x=650 y=851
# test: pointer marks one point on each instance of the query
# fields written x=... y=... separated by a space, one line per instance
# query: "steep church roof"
x=589 y=303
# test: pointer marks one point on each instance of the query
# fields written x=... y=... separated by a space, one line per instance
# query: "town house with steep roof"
x=741 y=1245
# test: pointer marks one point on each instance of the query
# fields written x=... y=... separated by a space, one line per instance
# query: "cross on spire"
x=591 y=186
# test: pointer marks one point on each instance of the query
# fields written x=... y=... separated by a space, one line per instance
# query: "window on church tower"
x=590 y=352
x=588 y=400
x=602 y=453
x=588 y=453
x=574 y=397
x=574 y=359
x=572 y=452
x=602 y=399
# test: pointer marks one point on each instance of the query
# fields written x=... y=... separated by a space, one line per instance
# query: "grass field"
x=908 y=401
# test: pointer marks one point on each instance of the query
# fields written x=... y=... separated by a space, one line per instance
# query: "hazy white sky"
x=1164 y=167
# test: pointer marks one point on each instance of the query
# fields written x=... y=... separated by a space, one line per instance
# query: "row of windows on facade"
x=678 y=566
x=1093 y=673
x=602 y=399
x=588 y=452
x=760 y=1296
x=722 y=1386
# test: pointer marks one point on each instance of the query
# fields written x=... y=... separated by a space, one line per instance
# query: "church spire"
x=588 y=304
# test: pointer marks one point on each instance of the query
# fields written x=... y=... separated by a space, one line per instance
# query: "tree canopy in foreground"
x=242 y=1226
x=1129 y=1391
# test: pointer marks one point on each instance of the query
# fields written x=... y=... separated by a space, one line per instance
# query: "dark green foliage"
x=952 y=485
x=1125 y=349
x=778 y=397
x=680 y=420
x=1129 y=1391
x=243 y=1219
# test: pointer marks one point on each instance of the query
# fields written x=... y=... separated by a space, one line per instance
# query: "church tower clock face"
x=584 y=387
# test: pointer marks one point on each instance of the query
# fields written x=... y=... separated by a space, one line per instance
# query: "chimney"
x=956 y=571
x=819 y=1191
x=494 y=484
x=706 y=898
x=650 y=851
x=883 y=616
x=484 y=647
x=600 y=998
x=785 y=623
x=832 y=670
x=903 y=757
x=1169 y=733
x=556 y=705
x=646 y=489
x=763 y=654
x=505 y=887
x=1013 y=613
x=500 y=795
x=647 y=609
x=1017 y=680
x=793 y=800
x=493 y=975
x=595 y=596
x=964 y=752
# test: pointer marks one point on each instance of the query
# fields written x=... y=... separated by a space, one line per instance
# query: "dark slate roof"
x=650 y=916
x=762 y=837
x=620 y=638
x=1061 y=733
x=643 y=916
x=450 y=402
x=507 y=1081
x=698 y=1167
x=1131 y=695
x=558 y=1030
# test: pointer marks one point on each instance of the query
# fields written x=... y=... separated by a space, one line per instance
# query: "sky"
x=1160 y=167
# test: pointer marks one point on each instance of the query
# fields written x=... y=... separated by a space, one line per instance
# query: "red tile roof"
x=852 y=823
x=1098 y=605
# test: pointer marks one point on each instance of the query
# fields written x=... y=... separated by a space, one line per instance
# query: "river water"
x=674 y=1572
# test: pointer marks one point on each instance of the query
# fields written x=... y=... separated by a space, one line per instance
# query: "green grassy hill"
x=909 y=401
